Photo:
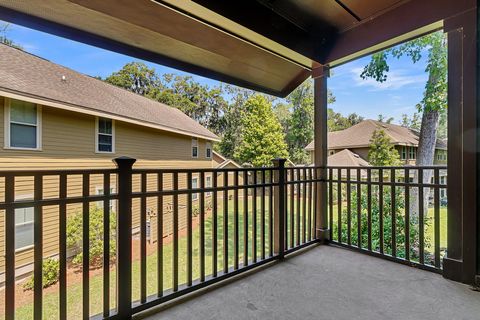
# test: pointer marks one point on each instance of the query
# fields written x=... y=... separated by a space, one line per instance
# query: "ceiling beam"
x=265 y=19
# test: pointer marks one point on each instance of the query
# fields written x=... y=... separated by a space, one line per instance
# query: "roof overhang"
x=269 y=46
x=93 y=112
x=179 y=34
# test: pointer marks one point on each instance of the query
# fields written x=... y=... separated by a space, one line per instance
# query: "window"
x=403 y=154
x=23 y=228
x=209 y=150
x=412 y=153
x=113 y=207
x=209 y=185
x=194 y=186
x=105 y=138
x=194 y=148
x=22 y=125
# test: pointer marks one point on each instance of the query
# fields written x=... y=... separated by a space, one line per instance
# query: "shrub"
x=400 y=225
x=50 y=274
x=75 y=238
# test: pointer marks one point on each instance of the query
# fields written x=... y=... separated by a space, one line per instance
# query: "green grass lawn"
x=74 y=291
x=74 y=298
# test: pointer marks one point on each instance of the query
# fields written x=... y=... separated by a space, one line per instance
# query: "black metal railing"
x=194 y=227
x=394 y=212
x=163 y=233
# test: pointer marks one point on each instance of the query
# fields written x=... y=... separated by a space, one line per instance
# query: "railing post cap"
x=124 y=161
x=279 y=161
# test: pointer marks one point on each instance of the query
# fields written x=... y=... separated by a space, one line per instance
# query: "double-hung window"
x=105 y=136
x=194 y=148
x=403 y=155
x=23 y=228
x=194 y=186
x=208 y=185
x=22 y=125
x=208 y=151
x=413 y=153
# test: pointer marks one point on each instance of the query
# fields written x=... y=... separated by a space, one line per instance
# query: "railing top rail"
x=18 y=173
x=434 y=167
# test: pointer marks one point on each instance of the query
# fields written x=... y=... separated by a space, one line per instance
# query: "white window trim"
x=97 y=133
x=7 y=142
x=194 y=145
x=208 y=147
x=195 y=195
x=208 y=185
x=31 y=246
x=113 y=203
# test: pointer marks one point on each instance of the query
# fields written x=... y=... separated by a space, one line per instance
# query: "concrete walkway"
x=333 y=283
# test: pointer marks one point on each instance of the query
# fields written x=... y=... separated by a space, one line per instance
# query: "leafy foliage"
x=400 y=225
x=4 y=28
x=382 y=151
x=412 y=122
x=136 y=77
x=50 y=274
x=262 y=139
x=434 y=102
x=74 y=235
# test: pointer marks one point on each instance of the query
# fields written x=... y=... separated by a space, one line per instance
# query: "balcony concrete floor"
x=333 y=283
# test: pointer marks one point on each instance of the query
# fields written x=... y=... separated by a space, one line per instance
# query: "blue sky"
x=368 y=98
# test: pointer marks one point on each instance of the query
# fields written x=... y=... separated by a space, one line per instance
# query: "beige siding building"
x=356 y=140
x=52 y=117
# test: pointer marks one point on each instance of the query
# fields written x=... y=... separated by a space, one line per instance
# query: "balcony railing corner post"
x=279 y=207
x=124 y=237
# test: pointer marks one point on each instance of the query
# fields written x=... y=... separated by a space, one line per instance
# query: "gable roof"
x=346 y=158
x=31 y=78
x=359 y=135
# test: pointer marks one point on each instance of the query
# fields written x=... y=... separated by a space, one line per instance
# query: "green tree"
x=382 y=118
x=4 y=29
x=412 y=122
x=136 y=77
x=434 y=100
x=284 y=116
x=233 y=120
x=299 y=129
x=200 y=102
x=382 y=152
x=336 y=121
x=262 y=139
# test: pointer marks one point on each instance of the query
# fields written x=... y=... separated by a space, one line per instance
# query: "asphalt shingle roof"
x=359 y=135
x=26 y=74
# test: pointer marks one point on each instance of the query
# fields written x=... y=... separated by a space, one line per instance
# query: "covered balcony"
x=322 y=242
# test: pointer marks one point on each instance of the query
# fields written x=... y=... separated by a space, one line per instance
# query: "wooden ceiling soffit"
x=159 y=33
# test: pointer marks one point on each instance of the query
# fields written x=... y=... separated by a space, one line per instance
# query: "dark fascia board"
x=263 y=19
x=406 y=18
x=71 y=33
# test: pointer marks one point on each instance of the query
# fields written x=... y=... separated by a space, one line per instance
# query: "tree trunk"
x=425 y=157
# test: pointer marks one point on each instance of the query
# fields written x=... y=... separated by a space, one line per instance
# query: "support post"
x=124 y=237
x=320 y=75
x=279 y=207
x=461 y=260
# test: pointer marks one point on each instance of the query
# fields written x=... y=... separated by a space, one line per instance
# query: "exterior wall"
x=68 y=142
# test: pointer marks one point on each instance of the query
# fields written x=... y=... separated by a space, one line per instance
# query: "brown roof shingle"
x=28 y=75
x=346 y=158
x=359 y=135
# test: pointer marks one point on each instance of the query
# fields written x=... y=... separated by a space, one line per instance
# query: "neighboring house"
x=52 y=117
x=350 y=147
x=356 y=140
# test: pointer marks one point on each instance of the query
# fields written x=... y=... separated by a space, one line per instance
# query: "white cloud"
x=396 y=79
